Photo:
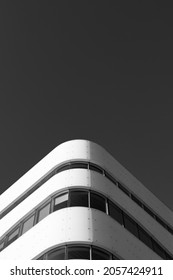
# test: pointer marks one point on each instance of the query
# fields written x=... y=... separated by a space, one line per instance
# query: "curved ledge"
x=78 y=226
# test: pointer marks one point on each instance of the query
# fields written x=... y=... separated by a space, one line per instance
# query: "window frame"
x=78 y=190
x=102 y=196
x=58 y=195
x=121 y=212
x=76 y=246
x=102 y=251
x=40 y=208
x=132 y=221
x=96 y=168
x=26 y=219
x=7 y=243
x=142 y=231
x=45 y=256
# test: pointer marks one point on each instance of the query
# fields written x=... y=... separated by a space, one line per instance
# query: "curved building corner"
x=78 y=202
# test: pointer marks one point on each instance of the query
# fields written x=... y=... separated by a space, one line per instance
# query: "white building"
x=79 y=203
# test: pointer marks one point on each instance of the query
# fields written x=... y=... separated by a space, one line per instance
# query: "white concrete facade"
x=82 y=225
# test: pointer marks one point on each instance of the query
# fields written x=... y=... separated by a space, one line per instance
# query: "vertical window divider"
x=51 y=204
x=123 y=219
x=35 y=213
x=89 y=199
x=90 y=252
x=106 y=201
x=20 y=228
x=68 y=201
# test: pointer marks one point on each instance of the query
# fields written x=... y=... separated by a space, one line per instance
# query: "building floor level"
x=79 y=202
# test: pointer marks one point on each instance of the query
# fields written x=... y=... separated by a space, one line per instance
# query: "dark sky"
x=91 y=70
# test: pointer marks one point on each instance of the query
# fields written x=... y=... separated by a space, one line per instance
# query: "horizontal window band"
x=77 y=251
x=94 y=167
x=85 y=198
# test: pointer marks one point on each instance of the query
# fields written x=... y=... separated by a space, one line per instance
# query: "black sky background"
x=90 y=70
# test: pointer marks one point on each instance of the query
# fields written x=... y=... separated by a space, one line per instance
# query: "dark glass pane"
x=43 y=212
x=60 y=201
x=97 y=202
x=107 y=175
x=79 y=198
x=115 y=212
x=95 y=168
x=58 y=254
x=136 y=200
x=13 y=236
x=63 y=167
x=144 y=237
x=149 y=211
x=100 y=255
x=130 y=225
x=158 y=249
x=123 y=189
x=28 y=224
x=79 y=165
x=78 y=252
x=161 y=222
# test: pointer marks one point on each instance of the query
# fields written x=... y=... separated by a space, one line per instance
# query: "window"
x=130 y=225
x=64 y=167
x=78 y=198
x=134 y=198
x=161 y=222
x=115 y=212
x=78 y=252
x=100 y=255
x=158 y=250
x=95 y=168
x=149 y=211
x=13 y=236
x=97 y=202
x=107 y=175
x=60 y=201
x=79 y=165
x=28 y=224
x=57 y=254
x=43 y=212
x=123 y=189
x=144 y=237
